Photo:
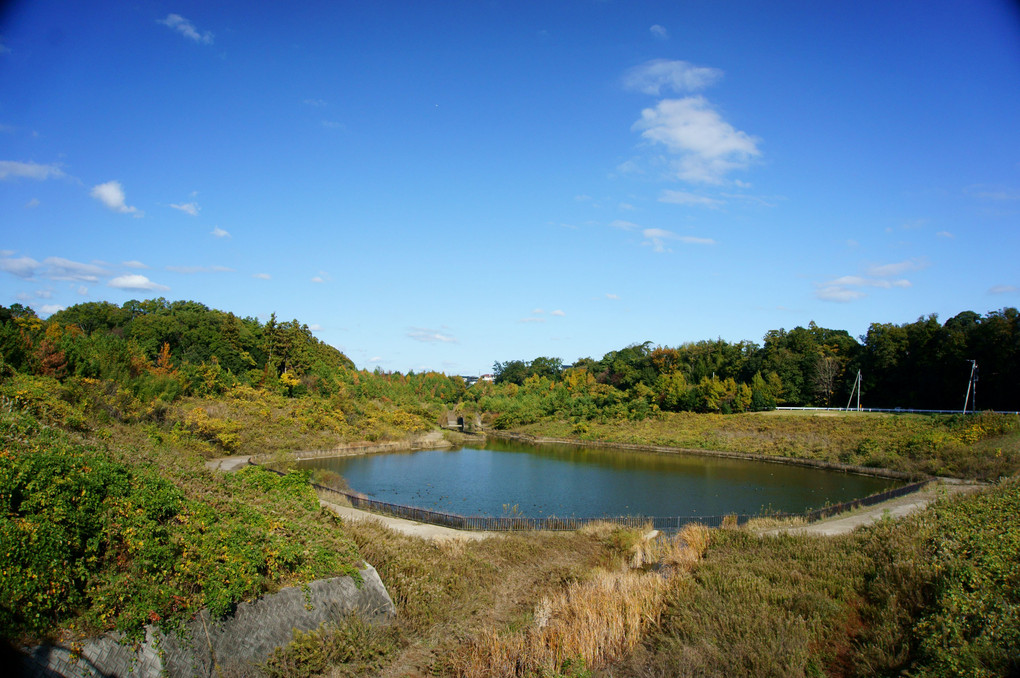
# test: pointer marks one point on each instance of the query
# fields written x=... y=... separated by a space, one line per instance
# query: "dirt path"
x=895 y=508
x=408 y=527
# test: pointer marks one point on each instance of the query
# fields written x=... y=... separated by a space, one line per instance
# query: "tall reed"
x=597 y=620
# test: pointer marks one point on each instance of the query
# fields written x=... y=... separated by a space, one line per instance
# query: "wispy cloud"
x=532 y=319
x=12 y=169
x=49 y=309
x=624 y=225
x=430 y=336
x=262 y=276
x=612 y=297
x=133 y=264
x=112 y=195
x=33 y=203
x=136 y=282
x=220 y=233
x=686 y=198
x=849 y=288
x=659 y=32
x=1003 y=289
x=315 y=103
x=321 y=278
x=707 y=146
x=559 y=313
x=59 y=268
x=657 y=237
x=186 y=28
x=22 y=267
x=994 y=193
x=898 y=268
x=188 y=270
x=191 y=208
x=652 y=77
x=944 y=234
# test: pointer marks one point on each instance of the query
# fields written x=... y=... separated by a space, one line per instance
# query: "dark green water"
x=564 y=480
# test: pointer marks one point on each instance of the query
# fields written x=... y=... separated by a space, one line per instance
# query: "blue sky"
x=443 y=185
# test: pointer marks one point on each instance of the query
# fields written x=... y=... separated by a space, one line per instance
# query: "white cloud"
x=652 y=77
x=685 y=198
x=898 y=268
x=34 y=202
x=557 y=313
x=133 y=264
x=28 y=170
x=626 y=206
x=82 y=290
x=838 y=294
x=50 y=309
x=263 y=276
x=614 y=297
x=191 y=208
x=315 y=103
x=708 y=146
x=136 y=282
x=658 y=236
x=375 y=359
x=625 y=225
x=23 y=267
x=429 y=336
x=944 y=234
x=186 y=28
x=537 y=311
x=220 y=233
x=531 y=320
x=111 y=194
x=318 y=279
x=65 y=269
x=315 y=327
x=1003 y=289
x=848 y=288
x=659 y=32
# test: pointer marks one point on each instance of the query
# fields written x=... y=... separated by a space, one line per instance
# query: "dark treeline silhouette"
x=923 y=365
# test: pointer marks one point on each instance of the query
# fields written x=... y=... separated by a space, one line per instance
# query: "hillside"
x=110 y=519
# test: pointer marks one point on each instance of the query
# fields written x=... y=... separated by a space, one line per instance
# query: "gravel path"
x=895 y=508
x=409 y=527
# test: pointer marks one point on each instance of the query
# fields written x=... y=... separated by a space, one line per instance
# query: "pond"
x=513 y=478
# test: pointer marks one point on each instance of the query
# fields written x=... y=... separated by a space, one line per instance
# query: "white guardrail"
x=902 y=410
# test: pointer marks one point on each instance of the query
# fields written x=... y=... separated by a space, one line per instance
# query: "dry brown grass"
x=597 y=620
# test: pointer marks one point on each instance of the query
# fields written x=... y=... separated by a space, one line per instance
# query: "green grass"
x=118 y=533
x=984 y=446
x=935 y=594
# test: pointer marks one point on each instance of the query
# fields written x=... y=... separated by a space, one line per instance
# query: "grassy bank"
x=115 y=529
x=984 y=446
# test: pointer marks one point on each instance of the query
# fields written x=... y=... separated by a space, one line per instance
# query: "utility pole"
x=971 y=388
x=857 y=388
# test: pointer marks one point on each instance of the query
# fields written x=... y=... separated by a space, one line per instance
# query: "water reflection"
x=565 y=480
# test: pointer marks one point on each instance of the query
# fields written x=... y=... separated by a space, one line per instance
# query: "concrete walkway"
x=408 y=527
x=894 y=508
x=227 y=464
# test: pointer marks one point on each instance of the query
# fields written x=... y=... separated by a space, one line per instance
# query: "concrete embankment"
x=230 y=646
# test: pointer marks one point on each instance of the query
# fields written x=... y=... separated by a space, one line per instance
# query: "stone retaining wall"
x=208 y=647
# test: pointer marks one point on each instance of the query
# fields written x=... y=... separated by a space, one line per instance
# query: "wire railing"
x=516 y=523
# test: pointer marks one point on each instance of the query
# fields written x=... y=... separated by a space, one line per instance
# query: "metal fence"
x=521 y=523
x=894 y=410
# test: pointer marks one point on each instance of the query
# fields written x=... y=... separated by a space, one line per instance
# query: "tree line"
x=920 y=365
